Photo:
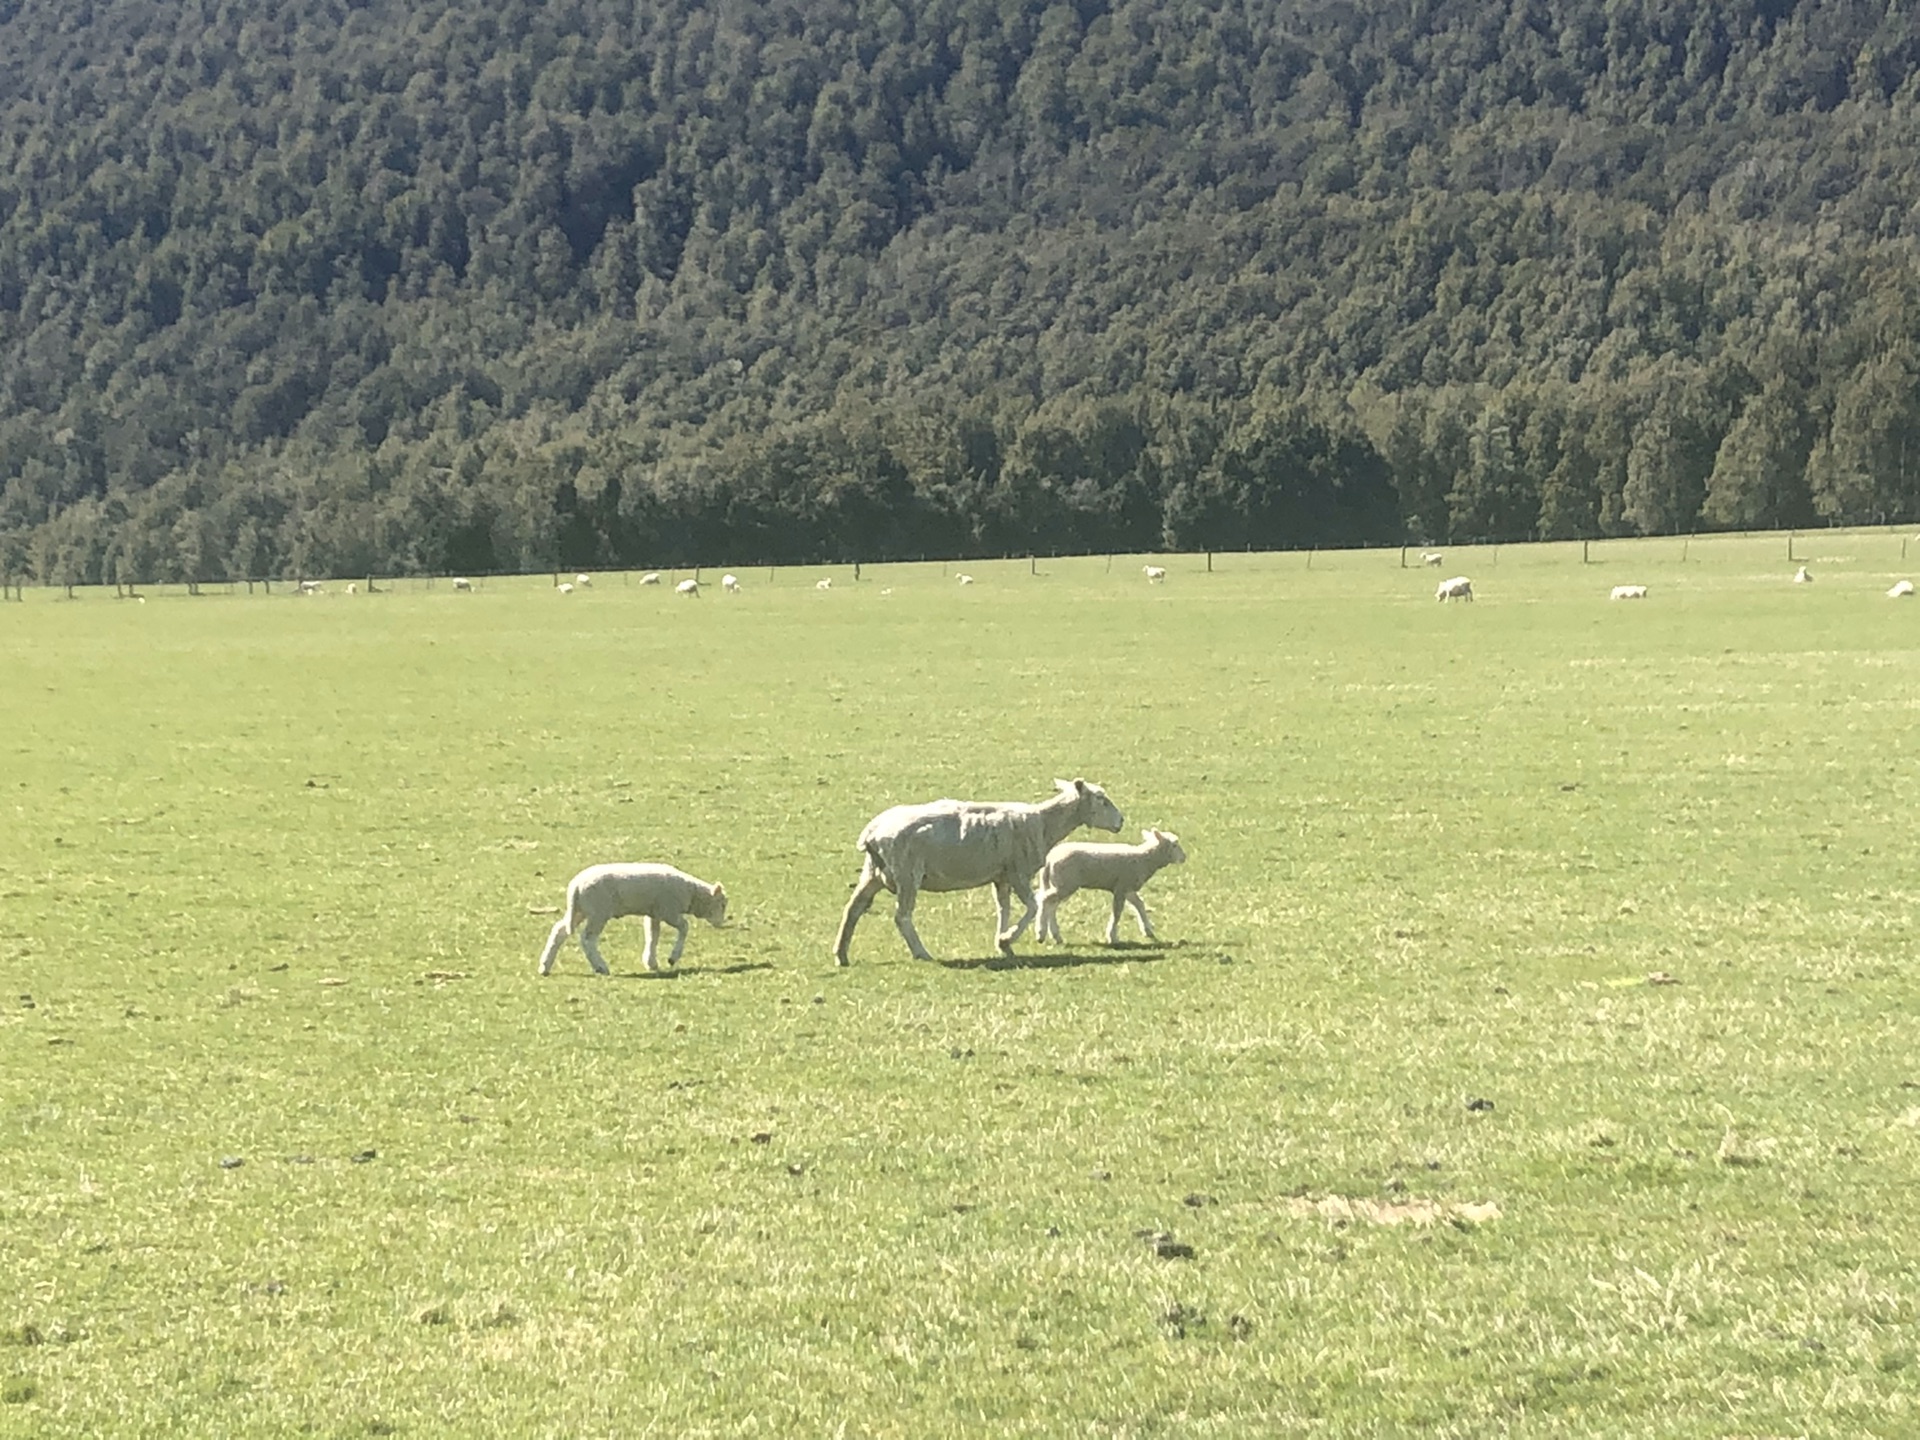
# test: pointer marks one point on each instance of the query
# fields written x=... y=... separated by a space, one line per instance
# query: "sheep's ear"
x=1060 y=784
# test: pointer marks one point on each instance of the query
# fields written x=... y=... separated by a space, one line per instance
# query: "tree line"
x=337 y=286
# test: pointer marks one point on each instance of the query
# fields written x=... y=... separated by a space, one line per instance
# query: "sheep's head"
x=1101 y=813
x=1167 y=843
x=714 y=907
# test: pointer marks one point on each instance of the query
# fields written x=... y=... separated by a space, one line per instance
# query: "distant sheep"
x=1119 y=869
x=659 y=892
x=461 y=583
x=585 y=582
x=823 y=584
x=1154 y=573
x=565 y=588
x=1628 y=592
x=1901 y=590
x=652 y=577
x=689 y=588
x=353 y=589
x=1801 y=577
x=730 y=584
x=961 y=845
x=312 y=587
x=1458 y=588
x=1433 y=557
x=964 y=579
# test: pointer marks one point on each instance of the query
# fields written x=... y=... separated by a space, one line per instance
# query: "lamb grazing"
x=312 y=587
x=659 y=892
x=565 y=588
x=1432 y=557
x=690 y=588
x=585 y=582
x=823 y=584
x=1120 y=869
x=1901 y=590
x=652 y=577
x=462 y=584
x=1628 y=592
x=352 y=589
x=1458 y=588
x=1801 y=577
x=961 y=845
x=965 y=579
x=1155 y=573
x=730 y=584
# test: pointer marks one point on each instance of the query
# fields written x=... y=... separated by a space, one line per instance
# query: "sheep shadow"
x=1126 y=952
x=674 y=972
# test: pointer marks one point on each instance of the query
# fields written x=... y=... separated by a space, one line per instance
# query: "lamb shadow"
x=1124 y=953
x=674 y=972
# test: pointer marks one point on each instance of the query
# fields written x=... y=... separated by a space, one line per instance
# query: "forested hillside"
x=309 y=286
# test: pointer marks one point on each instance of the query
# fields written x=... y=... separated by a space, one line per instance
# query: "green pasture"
x=294 y=1141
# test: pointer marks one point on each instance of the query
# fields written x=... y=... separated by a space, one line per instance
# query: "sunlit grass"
x=275 y=873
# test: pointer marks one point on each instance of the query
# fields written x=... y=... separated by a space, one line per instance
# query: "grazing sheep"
x=1628 y=592
x=661 y=893
x=312 y=587
x=462 y=584
x=1801 y=577
x=565 y=588
x=1433 y=557
x=730 y=584
x=585 y=582
x=690 y=588
x=964 y=579
x=1458 y=588
x=1901 y=590
x=1154 y=573
x=823 y=584
x=652 y=577
x=1120 y=869
x=961 y=845
x=352 y=589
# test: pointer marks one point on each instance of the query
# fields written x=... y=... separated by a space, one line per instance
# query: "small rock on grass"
x=231 y=1162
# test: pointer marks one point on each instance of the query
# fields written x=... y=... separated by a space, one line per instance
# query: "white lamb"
x=652 y=577
x=352 y=589
x=730 y=584
x=565 y=588
x=1155 y=573
x=1433 y=557
x=585 y=582
x=1901 y=590
x=1628 y=592
x=1458 y=588
x=823 y=584
x=961 y=845
x=1801 y=577
x=689 y=588
x=462 y=584
x=1120 y=869
x=965 y=579
x=659 y=892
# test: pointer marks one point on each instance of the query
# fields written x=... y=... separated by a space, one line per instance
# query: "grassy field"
x=1392 y=1133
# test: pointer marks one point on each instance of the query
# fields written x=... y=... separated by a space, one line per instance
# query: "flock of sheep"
x=939 y=846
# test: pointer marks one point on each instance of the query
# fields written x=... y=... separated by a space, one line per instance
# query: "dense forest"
x=335 y=286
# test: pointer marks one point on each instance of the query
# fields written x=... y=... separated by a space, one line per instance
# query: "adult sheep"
x=1901 y=590
x=964 y=844
x=730 y=584
x=1458 y=588
x=1433 y=557
x=1628 y=592
x=1155 y=573
x=689 y=588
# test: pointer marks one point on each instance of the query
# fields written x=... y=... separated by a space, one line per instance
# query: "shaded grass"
x=1436 y=852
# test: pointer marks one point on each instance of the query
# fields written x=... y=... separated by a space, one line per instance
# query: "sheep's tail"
x=574 y=915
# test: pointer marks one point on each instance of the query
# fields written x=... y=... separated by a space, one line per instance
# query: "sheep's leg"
x=555 y=938
x=1140 y=909
x=1113 y=920
x=1049 y=914
x=903 y=922
x=680 y=943
x=653 y=941
x=871 y=884
x=1028 y=909
x=590 y=942
x=1003 y=897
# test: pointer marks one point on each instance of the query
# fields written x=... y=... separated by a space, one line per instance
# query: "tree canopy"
x=306 y=286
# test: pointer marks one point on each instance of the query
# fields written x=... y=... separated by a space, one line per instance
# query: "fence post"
x=1583 y=552
x=1209 y=562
